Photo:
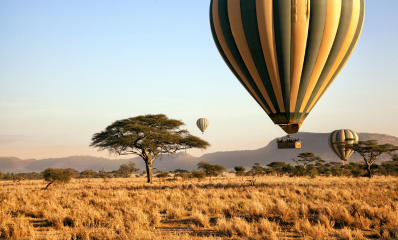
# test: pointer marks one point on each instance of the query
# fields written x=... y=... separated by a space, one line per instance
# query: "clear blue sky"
x=68 y=69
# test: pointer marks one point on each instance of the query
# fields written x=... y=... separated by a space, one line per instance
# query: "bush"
x=183 y=175
x=211 y=170
x=181 y=171
x=52 y=175
x=256 y=170
x=163 y=175
x=171 y=179
x=198 y=174
x=88 y=174
x=239 y=171
x=125 y=170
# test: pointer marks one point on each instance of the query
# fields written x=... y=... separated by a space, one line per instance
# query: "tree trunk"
x=49 y=185
x=370 y=174
x=148 y=171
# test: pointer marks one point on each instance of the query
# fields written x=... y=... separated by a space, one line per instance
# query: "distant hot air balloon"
x=343 y=135
x=202 y=124
x=286 y=53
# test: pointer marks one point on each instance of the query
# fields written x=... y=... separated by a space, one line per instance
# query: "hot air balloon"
x=202 y=124
x=286 y=53
x=343 y=135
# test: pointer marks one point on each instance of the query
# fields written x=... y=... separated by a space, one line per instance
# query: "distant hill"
x=316 y=143
x=311 y=142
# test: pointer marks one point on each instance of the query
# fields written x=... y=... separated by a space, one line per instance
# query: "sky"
x=68 y=69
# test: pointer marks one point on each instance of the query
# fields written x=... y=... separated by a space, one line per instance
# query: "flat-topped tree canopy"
x=147 y=136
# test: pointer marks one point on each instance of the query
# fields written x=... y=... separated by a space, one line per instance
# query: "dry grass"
x=227 y=207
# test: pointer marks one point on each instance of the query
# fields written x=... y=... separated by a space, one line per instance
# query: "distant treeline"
x=124 y=171
x=351 y=169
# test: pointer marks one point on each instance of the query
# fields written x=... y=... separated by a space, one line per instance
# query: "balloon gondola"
x=286 y=53
x=288 y=143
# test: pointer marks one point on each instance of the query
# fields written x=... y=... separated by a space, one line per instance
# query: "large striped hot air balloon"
x=286 y=53
x=343 y=135
x=202 y=124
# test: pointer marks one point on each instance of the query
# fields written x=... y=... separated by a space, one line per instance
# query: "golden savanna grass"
x=221 y=208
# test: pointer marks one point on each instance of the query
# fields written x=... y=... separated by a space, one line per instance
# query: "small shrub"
x=163 y=175
x=183 y=175
x=240 y=171
x=198 y=174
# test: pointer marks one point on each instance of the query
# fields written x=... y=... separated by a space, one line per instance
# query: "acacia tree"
x=210 y=169
x=369 y=150
x=125 y=170
x=147 y=136
x=256 y=170
x=308 y=157
x=53 y=175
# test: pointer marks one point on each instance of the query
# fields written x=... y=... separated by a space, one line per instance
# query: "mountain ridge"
x=311 y=142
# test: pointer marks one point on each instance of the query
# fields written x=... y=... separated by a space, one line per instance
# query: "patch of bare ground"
x=221 y=208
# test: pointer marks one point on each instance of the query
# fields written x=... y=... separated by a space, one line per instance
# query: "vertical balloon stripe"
x=350 y=51
x=339 y=138
x=342 y=139
x=331 y=26
x=228 y=53
x=283 y=26
x=353 y=141
x=331 y=145
x=224 y=56
x=235 y=21
x=219 y=48
x=343 y=51
x=344 y=24
x=230 y=41
x=335 y=147
x=347 y=135
x=355 y=137
x=249 y=23
x=315 y=34
x=300 y=24
x=265 y=20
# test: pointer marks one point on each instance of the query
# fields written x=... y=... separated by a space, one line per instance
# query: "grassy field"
x=221 y=208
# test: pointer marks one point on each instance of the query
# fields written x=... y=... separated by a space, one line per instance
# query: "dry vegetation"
x=225 y=207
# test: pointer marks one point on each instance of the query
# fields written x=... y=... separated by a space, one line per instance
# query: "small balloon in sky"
x=202 y=124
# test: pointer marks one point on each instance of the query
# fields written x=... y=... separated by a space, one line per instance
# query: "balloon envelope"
x=202 y=124
x=286 y=53
x=342 y=135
